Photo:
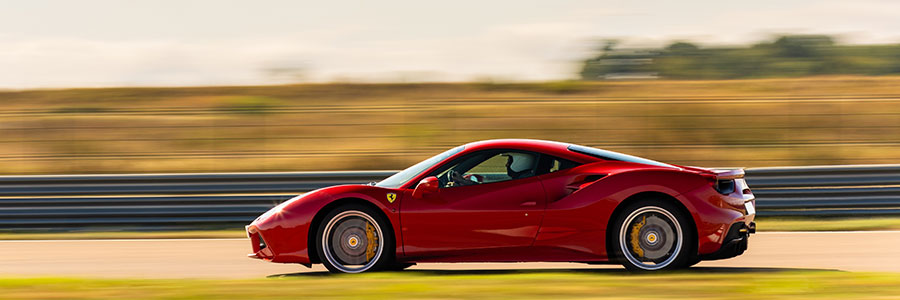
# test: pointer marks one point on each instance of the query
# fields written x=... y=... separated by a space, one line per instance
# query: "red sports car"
x=516 y=201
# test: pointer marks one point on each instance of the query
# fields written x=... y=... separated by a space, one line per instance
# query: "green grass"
x=697 y=284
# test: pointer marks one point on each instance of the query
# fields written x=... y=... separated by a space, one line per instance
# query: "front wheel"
x=354 y=239
x=653 y=235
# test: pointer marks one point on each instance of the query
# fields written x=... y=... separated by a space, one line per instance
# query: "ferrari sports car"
x=516 y=201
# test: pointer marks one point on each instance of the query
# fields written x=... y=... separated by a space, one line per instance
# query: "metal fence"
x=65 y=202
x=862 y=190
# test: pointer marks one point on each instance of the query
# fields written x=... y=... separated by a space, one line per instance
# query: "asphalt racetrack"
x=226 y=258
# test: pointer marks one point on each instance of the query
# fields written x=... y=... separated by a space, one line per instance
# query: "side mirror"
x=426 y=186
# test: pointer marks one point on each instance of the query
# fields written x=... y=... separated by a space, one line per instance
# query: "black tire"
x=652 y=235
x=349 y=226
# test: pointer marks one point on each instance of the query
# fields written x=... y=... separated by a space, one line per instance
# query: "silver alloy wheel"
x=655 y=242
x=345 y=239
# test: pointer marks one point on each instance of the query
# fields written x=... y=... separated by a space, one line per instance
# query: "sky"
x=98 y=43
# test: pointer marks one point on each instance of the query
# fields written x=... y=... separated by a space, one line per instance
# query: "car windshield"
x=397 y=180
x=610 y=155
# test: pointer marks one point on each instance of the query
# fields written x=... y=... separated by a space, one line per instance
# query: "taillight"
x=725 y=186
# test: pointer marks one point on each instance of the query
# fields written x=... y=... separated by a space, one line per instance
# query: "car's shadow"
x=694 y=270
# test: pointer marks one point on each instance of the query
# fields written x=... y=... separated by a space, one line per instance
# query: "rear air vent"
x=583 y=182
x=592 y=178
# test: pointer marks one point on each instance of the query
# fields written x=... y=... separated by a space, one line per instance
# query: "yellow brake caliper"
x=372 y=241
x=636 y=236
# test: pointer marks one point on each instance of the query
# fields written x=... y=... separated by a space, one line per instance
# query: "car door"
x=500 y=207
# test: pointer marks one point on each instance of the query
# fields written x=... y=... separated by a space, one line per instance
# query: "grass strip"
x=767 y=284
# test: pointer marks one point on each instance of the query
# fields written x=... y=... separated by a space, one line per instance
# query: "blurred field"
x=772 y=122
x=606 y=284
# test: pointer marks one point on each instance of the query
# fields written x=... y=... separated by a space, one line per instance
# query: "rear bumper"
x=736 y=241
x=717 y=212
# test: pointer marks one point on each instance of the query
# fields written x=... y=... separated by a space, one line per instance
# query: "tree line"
x=785 y=56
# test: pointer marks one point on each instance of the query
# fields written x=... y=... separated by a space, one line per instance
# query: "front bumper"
x=261 y=250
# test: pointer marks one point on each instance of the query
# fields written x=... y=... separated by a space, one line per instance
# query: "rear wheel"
x=652 y=235
x=354 y=239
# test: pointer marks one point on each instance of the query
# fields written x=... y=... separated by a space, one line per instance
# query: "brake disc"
x=656 y=238
x=348 y=242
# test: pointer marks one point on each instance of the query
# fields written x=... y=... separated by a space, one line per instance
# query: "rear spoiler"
x=724 y=174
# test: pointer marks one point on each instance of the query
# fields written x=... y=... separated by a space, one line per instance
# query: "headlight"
x=276 y=210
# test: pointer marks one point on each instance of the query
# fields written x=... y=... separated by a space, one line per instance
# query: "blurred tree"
x=785 y=56
x=682 y=48
x=609 y=44
x=803 y=46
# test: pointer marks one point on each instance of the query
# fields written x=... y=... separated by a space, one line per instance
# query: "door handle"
x=529 y=203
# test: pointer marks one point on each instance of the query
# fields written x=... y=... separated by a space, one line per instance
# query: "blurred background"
x=203 y=86
x=219 y=86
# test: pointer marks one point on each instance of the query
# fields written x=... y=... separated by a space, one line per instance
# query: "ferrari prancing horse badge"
x=391 y=197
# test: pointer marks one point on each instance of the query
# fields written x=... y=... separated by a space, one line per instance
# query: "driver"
x=519 y=165
x=457 y=179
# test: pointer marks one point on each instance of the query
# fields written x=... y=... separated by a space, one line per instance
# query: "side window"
x=492 y=170
x=489 y=167
x=550 y=164
x=554 y=166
